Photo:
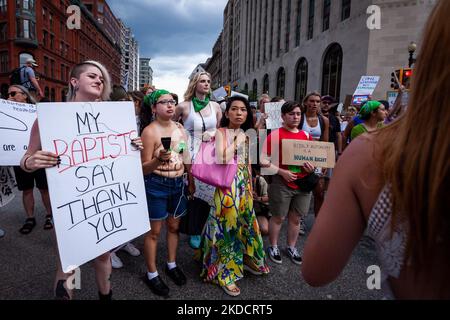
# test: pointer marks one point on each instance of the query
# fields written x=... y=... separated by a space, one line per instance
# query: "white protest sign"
x=220 y=94
x=97 y=192
x=391 y=97
x=273 y=110
x=319 y=154
x=237 y=94
x=16 y=120
x=366 y=85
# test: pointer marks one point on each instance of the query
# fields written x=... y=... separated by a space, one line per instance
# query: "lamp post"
x=411 y=49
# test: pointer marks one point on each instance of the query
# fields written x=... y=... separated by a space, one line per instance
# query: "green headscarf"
x=368 y=108
x=199 y=105
x=151 y=99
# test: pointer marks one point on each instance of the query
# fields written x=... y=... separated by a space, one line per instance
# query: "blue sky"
x=176 y=34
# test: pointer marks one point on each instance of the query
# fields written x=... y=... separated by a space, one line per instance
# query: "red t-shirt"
x=288 y=135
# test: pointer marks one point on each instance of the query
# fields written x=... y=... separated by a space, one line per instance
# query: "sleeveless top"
x=194 y=126
x=390 y=247
x=315 y=132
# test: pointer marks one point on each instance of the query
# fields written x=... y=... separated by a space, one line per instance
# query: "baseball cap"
x=32 y=61
x=328 y=98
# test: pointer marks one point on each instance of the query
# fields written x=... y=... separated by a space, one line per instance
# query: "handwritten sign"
x=366 y=85
x=7 y=184
x=319 y=154
x=16 y=120
x=97 y=192
x=273 y=111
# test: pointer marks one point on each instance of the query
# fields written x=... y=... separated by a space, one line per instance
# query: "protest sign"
x=7 y=184
x=97 y=192
x=16 y=120
x=319 y=154
x=273 y=111
x=220 y=94
x=365 y=88
x=391 y=97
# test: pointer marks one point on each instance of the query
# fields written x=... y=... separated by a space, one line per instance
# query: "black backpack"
x=14 y=78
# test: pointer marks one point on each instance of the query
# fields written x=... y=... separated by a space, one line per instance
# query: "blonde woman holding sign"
x=89 y=82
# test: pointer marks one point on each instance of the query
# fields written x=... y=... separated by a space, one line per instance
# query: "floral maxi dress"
x=231 y=232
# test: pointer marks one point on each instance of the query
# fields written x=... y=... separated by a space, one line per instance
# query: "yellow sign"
x=319 y=154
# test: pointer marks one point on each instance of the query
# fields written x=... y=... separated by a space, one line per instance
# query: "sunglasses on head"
x=13 y=93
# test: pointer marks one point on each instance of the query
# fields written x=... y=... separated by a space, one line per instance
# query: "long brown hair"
x=415 y=153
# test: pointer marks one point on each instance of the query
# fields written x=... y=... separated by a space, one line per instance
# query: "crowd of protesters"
x=395 y=188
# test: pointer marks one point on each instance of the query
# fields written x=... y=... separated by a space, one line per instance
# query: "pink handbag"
x=205 y=168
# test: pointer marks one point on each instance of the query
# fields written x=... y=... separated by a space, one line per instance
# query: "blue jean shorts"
x=165 y=196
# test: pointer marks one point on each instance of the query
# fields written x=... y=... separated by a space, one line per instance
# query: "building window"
x=280 y=16
x=332 y=71
x=100 y=7
x=46 y=68
x=298 y=27
x=326 y=14
x=4 y=62
x=265 y=31
x=52 y=39
x=312 y=4
x=288 y=25
x=3 y=6
x=47 y=92
x=265 y=84
x=272 y=21
x=3 y=31
x=255 y=88
x=301 y=79
x=52 y=69
x=281 y=81
x=246 y=88
x=346 y=9
x=50 y=19
x=53 y=95
x=26 y=29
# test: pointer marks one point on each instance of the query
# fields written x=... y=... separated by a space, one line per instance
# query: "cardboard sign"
x=319 y=154
x=273 y=110
x=97 y=192
x=366 y=85
x=16 y=120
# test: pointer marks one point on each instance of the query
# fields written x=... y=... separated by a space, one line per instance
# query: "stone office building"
x=290 y=47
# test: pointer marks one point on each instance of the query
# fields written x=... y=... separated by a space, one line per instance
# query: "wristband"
x=25 y=164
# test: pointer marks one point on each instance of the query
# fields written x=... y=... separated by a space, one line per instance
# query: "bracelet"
x=25 y=164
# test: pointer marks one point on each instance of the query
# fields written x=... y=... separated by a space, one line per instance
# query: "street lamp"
x=411 y=49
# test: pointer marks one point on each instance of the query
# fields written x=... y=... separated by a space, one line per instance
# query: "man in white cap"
x=28 y=78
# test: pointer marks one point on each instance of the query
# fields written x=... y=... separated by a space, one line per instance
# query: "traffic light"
x=406 y=77
x=228 y=90
x=395 y=79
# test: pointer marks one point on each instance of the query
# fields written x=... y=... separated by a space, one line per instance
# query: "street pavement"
x=28 y=264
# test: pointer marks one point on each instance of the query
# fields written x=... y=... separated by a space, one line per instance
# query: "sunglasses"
x=13 y=93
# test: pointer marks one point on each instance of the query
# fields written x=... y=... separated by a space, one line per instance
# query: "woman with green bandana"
x=165 y=159
x=372 y=114
x=201 y=118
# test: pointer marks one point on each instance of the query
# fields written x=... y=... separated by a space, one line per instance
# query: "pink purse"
x=205 y=168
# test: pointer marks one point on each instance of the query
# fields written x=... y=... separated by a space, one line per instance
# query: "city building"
x=214 y=64
x=145 y=73
x=129 y=62
x=290 y=47
x=38 y=30
x=199 y=68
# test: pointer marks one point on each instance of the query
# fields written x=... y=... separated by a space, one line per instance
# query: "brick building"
x=38 y=29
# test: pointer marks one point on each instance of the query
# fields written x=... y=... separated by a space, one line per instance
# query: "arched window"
x=266 y=84
x=332 y=71
x=246 y=88
x=23 y=57
x=255 y=87
x=47 y=92
x=301 y=79
x=281 y=80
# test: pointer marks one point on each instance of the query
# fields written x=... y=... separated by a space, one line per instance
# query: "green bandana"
x=151 y=99
x=199 y=105
x=367 y=109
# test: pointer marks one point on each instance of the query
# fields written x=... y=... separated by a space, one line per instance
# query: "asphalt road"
x=27 y=268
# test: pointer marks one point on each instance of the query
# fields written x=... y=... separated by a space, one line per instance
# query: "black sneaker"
x=157 y=286
x=274 y=254
x=294 y=255
x=176 y=275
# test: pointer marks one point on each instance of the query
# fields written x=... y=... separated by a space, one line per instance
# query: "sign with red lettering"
x=97 y=192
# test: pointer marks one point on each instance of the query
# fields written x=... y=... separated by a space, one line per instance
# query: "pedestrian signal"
x=395 y=79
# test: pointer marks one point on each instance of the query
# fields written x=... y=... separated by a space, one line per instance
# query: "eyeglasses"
x=166 y=102
x=13 y=93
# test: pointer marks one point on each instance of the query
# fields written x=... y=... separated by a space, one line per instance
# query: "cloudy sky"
x=176 y=34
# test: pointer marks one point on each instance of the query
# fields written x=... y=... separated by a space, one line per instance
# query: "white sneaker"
x=131 y=249
x=116 y=263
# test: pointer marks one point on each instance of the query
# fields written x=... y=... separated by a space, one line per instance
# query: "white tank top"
x=315 y=132
x=194 y=124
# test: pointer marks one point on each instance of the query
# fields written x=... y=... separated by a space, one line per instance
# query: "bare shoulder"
x=183 y=105
x=216 y=106
x=359 y=154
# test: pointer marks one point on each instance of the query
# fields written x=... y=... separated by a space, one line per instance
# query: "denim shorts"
x=165 y=196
